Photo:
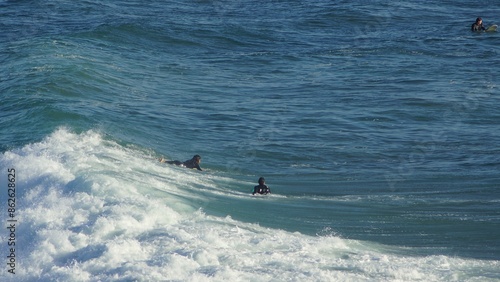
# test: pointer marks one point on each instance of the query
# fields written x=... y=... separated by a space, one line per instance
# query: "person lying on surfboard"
x=192 y=163
x=261 y=188
x=478 y=25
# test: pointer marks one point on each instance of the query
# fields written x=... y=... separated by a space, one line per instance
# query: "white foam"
x=94 y=210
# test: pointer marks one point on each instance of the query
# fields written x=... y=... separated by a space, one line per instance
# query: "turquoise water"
x=376 y=131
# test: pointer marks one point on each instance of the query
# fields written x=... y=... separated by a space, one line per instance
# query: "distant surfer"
x=478 y=25
x=192 y=163
x=261 y=188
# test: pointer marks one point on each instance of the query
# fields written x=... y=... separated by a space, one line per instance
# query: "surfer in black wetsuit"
x=261 y=188
x=478 y=25
x=192 y=163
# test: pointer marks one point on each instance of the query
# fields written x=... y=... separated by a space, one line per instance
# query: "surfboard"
x=492 y=28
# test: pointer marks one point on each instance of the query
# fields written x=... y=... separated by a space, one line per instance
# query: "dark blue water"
x=375 y=125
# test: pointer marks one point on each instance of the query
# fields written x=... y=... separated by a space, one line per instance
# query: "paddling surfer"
x=192 y=163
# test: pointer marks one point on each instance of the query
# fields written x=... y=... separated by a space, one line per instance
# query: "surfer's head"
x=262 y=181
x=197 y=158
x=479 y=20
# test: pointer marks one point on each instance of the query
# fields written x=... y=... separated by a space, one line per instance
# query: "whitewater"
x=95 y=210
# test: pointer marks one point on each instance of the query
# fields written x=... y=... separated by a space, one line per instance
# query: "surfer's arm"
x=255 y=190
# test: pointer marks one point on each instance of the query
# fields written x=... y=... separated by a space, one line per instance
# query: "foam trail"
x=93 y=210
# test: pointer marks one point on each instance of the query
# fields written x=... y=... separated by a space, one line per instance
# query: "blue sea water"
x=375 y=124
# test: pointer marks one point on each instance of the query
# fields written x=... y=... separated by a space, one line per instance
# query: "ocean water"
x=375 y=124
